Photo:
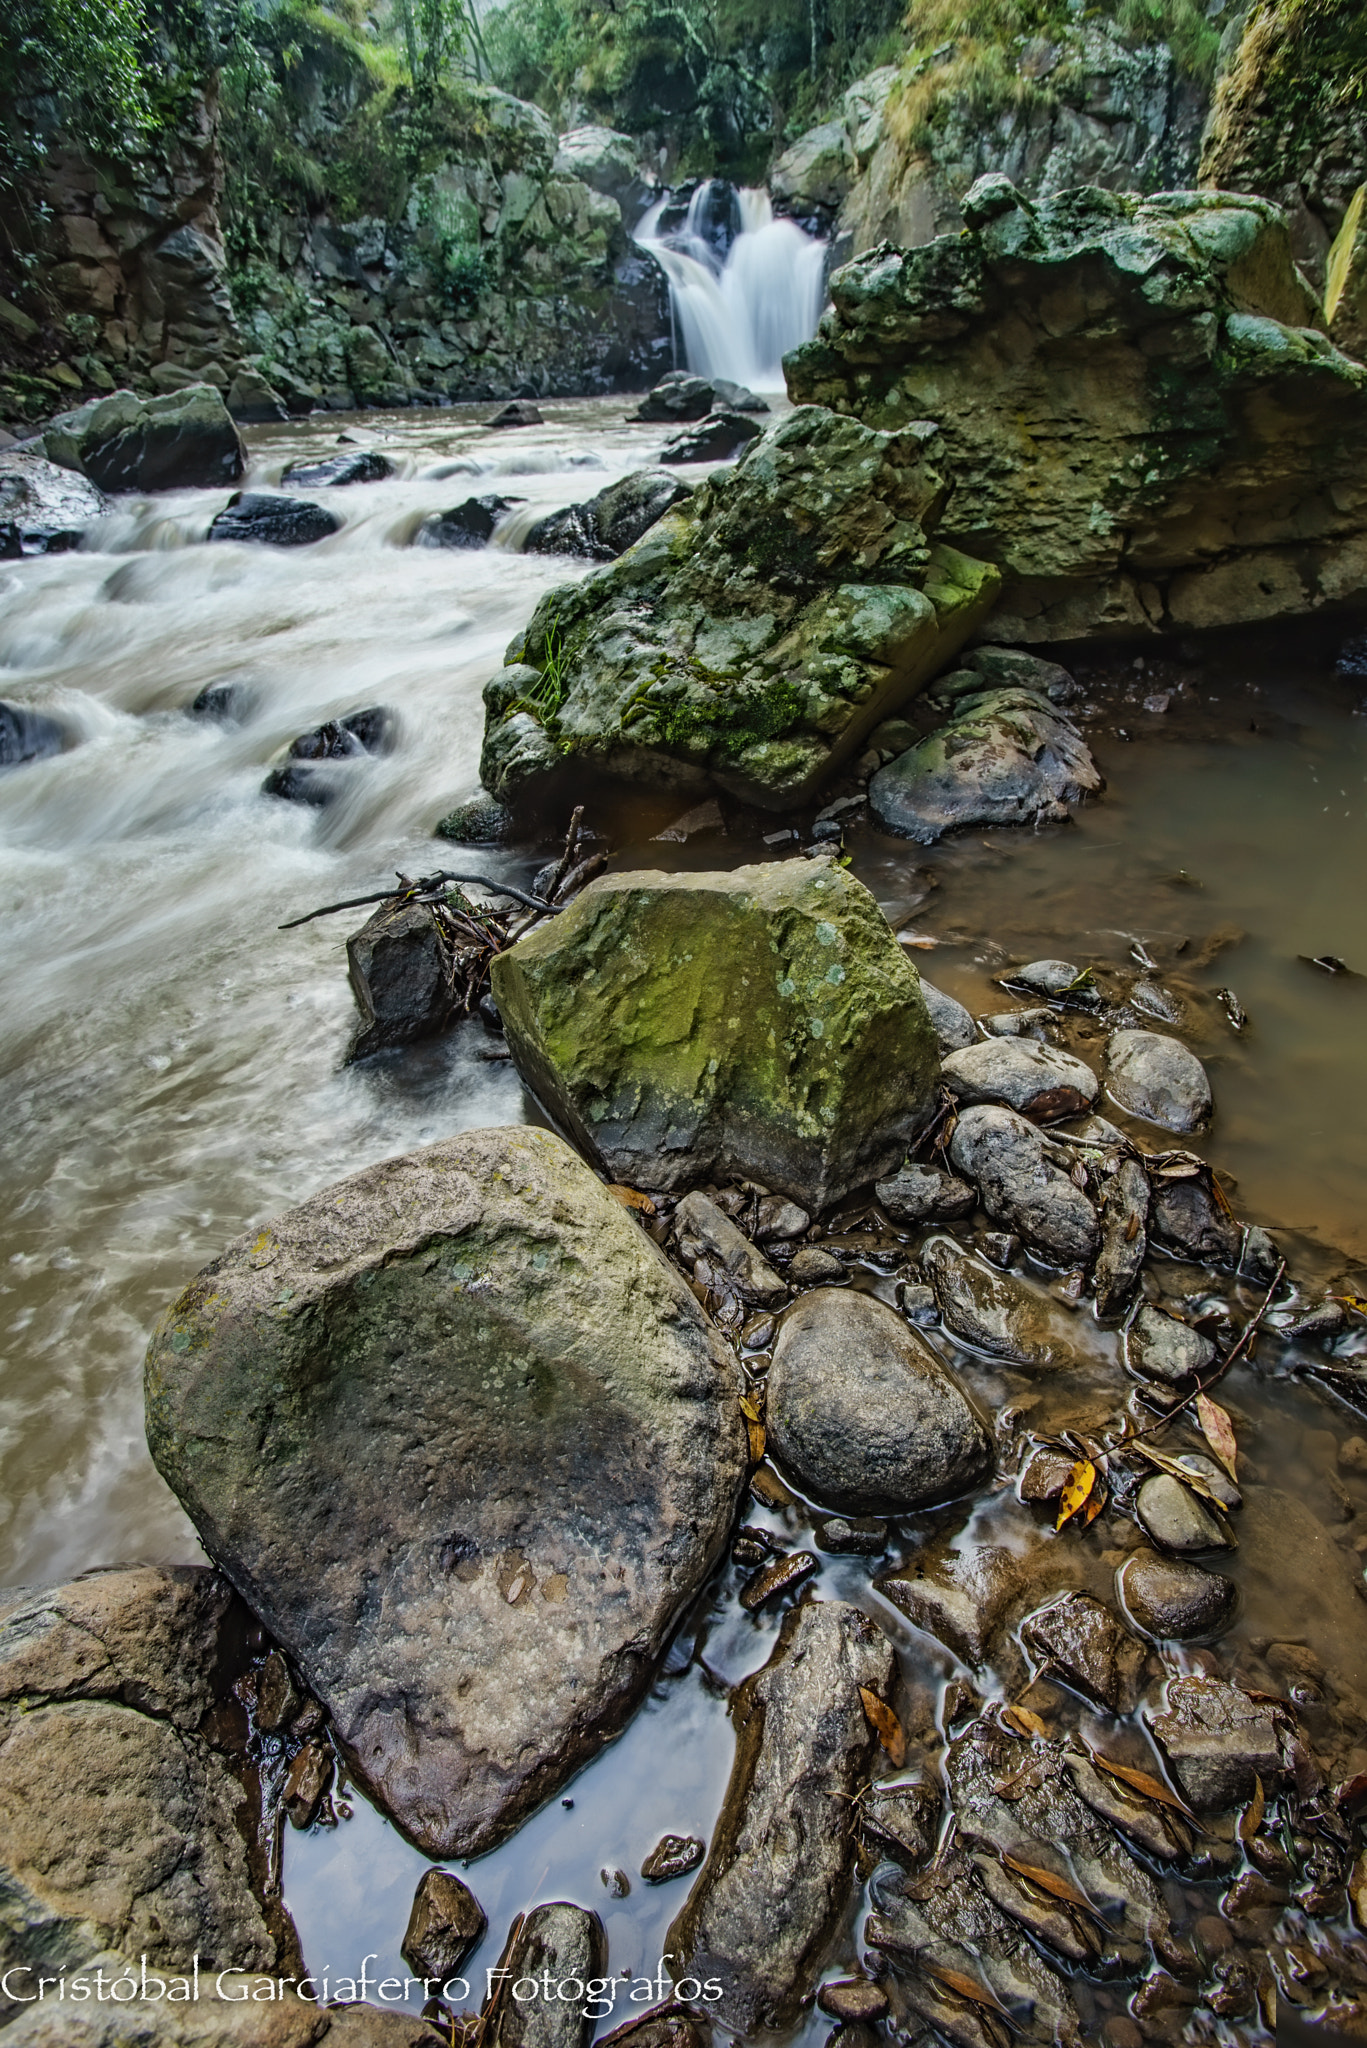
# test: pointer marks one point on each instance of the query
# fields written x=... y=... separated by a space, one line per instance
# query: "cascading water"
x=743 y=296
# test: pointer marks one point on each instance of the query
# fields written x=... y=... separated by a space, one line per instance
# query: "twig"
x=571 y=841
x=1245 y=1338
x=425 y=890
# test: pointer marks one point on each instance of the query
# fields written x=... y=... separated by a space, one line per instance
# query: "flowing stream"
x=739 y=310
x=173 y=1063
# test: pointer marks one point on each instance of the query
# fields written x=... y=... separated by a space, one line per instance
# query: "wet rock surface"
x=1008 y=757
x=1157 y=1078
x=183 y=440
x=468 y=525
x=1175 y=1518
x=1082 y=1641
x=265 y=520
x=510 y=1633
x=704 y=1231
x=778 y=1871
x=44 y=507
x=1039 y=1081
x=714 y=439
x=1172 y=1597
x=808 y=1062
x=773 y=677
x=27 y=735
x=960 y=1598
x=682 y=396
x=556 y=1944
x=444 y=1926
x=301 y=779
x=605 y=526
x=358 y=466
x=1025 y=1183
x=1124 y=1236
x=993 y=1311
x=953 y=1025
x=401 y=968
x=1161 y=1348
x=925 y=1194
x=104 y=1685
x=862 y=1415
x=1217 y=1741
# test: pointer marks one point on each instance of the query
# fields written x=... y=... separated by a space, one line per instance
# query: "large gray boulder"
x=759 y=1024
x=468 y=1446
x=605 y=526
x=1006 y=758
x=118 y=1820
x=1025 y=1182
x=777 y=1876
x=44 y=508
x=183 y=440
x=862 y=1414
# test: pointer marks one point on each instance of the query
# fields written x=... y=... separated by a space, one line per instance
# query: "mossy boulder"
x=181 y=441
x=754 y=637
x=1143 y=424
x=760 y=1024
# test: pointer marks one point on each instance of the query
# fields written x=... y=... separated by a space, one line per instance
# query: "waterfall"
x=746 y=287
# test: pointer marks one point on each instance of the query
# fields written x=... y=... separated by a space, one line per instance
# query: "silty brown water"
x=173 y=1067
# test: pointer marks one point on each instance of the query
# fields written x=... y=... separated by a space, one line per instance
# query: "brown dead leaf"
x=1218 y=1431
x=1352 y=1790
x=1191 y=1480
x=1024 y=1722
x=757 y=1440
x=1057 y=1887
x=749 y=1409
x=1081 y=1480
x=1095 y=1504
x=886 y=1722
x=1132 y=1230
x=631 y=1198
x=962 y=1986
x=1251 y=1819
x=1357 y=1890
x=1140 y=1781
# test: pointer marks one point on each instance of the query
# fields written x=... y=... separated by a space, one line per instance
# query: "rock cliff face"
x=1194 y=447
x=504 y=266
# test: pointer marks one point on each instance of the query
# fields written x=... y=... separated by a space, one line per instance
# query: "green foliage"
x=86 y=56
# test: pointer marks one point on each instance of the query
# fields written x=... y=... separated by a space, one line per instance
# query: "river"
x=173 y=1062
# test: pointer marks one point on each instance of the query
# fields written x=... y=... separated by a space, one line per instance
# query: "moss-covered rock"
x=1143 y=425
x=762 y=1024
x=755 y=636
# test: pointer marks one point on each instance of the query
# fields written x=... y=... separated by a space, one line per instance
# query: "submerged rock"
x=760 y=1024
x=923 y=1194
x=1157 y=1078
x=1124 y=1236
x=953 y=1024
x=468 y=1446
x=352 y=738
x=1161 y=1348
x=479 y=821
x=1007 y=758
x=992 y=1310
x=44 y=508
x=556 y=1946
x=118 y=1818
x=183 y=440
x=861 y=1413
x=961 y=1597
x=1170 y=1597
x=715 y=439
x=357 y=466
x=27 y=735
x=705 y=1231
x=606 y=526
x=1040 y=1081
x=777 y=1876
x=269 y=521
x=520 y=412
x=402 y=966
x=1025 y=1182
x=758 y=633
x=469 y=525
x=1204 y=469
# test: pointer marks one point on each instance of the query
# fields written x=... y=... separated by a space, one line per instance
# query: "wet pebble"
x=902 y=1821
x=446 y=1923
x=1217 y=1741
x=960 y=1598
x=1212 y=1475
x=1040 y=1081
x=1161 y=1348
x=671 y=1857
x=1124 y=1236
x=563 y=1942
x=780 y=1576
x=923 y=1194
x=813 y=1267
x=1170 y=1597
x=853 y=1998
x=1081 y=1640
x=1044 y=977
x=1035 y=1022
x=917 y=1303
x=706 y=1232
x=779 y=1219
x=1352 y=1456
x=993 y=1311
x=862 y=1413
x=1157 y=1078
x=952 y=1023
x=852 y=1536
x=1174 y=1517
x=1025 y=1184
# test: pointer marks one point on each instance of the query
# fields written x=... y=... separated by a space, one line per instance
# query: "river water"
x=173 y=1063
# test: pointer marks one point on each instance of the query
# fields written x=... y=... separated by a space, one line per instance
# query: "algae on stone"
x=763 y=1023
x=754 y=637
x=1143 y=426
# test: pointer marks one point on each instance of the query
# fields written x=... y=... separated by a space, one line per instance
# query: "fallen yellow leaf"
x=1057 y=1887
x=886 y=1722
x=1081 y=1480
x=748 y=1409
x=757 y=1441
x=631 y=1198
x=1024 y=1722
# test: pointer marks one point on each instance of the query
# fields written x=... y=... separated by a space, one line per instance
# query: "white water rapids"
x=738 y=316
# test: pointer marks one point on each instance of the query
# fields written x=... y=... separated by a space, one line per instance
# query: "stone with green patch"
x=759 y=1024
